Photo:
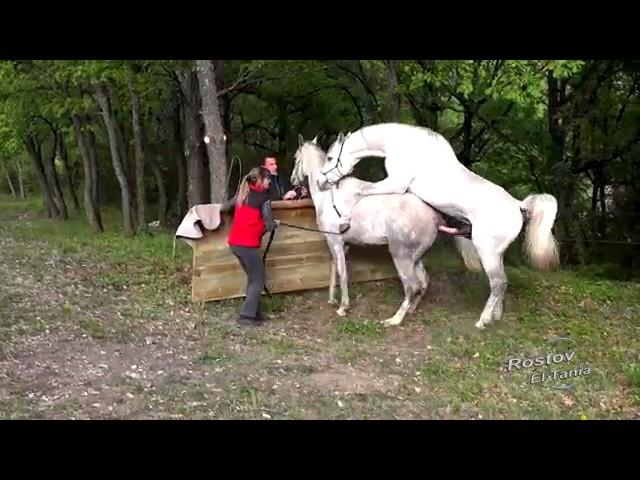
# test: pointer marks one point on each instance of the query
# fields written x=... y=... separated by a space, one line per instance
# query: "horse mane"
x=319 y=151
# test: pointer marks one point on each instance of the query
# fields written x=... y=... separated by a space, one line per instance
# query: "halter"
x=333 y=203
x=338 y=164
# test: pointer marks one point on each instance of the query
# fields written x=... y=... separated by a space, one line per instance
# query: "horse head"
x=308 y=157
x=340 y=162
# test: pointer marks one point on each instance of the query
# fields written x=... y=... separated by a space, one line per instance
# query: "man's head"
x=270 y=162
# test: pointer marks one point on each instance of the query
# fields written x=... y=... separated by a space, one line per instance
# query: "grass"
x=283 y=347
x=144 y=263
x=360 y=329
x=441 y=365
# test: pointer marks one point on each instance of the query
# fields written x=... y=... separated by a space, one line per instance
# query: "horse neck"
x=321 y=198
x=366 y=142
x=317 y=195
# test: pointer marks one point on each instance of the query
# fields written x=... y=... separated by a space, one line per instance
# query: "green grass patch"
x=360 y=329
x=283 y=346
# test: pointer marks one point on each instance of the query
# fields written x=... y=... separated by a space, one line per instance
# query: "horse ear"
x=315 y=140
x=300 y=140
x=340 y=138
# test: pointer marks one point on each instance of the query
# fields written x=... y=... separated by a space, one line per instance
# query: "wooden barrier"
x=297 y=260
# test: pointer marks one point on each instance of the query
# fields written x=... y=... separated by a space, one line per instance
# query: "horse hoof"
x=391 y=322
x=341 y=312
x=481 y=325
x=332 y=302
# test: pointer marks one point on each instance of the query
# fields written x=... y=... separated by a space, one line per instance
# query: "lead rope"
x=264 y=260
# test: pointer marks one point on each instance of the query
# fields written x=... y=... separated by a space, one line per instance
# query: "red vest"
x=248 y=227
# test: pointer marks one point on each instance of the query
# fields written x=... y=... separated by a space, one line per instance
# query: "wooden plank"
x=232 y=284
x=270 y=264
x=278 y=249
x=292 y=204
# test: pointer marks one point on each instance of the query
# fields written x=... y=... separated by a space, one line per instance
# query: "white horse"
x=403 y=222
x=423 y=162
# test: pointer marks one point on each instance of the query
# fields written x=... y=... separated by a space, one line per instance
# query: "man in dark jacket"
x=280 y=189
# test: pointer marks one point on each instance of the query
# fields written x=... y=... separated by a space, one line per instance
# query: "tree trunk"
x=93 y=157
x=283 y=128
x=371 y=102
x=123 y=150
x=109 y=121
x=214 y=130
x=431 y=107
x=181 y=163
x=155 y=161
x=64 y=156
x=10 y=182
x=602 y=225
x=23 y=193
x=54 y=181
x=162 y=192
x=467 y=137
x=139 y=149
x=128 y=164
x=395 y=101
x=128 y=167
x=224 y=104
x=91 y=208
x=34 y=151
x=197 y=174
x=563 y=182
x=121 y=138
x=594 y=209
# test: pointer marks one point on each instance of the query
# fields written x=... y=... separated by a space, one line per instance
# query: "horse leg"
x=394 y=183
x=492 y=262
x=491 y=239
x=423 y=277
x=341 y=264
x=411 y=283
x=332 y=283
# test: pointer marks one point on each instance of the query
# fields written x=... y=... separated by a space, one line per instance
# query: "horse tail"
x=540 y=245
x=469 y=254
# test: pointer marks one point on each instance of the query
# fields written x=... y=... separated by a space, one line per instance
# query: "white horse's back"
x=437 y=175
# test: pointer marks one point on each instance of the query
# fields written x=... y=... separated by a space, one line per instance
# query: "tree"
x=214 y=129
x=104 y=100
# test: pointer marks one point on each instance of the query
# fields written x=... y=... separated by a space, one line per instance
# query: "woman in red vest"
x=252 y=218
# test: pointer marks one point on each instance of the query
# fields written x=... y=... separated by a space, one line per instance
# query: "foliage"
x=496 y=113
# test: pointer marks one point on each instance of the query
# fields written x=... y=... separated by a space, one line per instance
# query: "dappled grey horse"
x=402 y=221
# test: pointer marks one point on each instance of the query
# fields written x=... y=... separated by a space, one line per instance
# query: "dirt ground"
x=86 y=338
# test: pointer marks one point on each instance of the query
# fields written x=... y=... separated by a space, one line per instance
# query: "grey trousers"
x=252 y=265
